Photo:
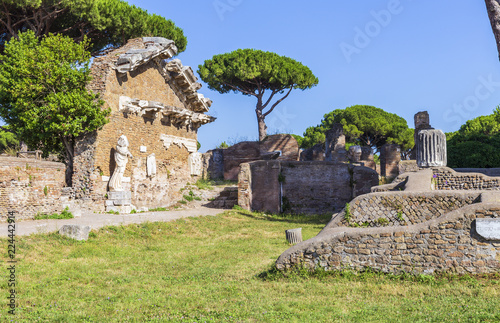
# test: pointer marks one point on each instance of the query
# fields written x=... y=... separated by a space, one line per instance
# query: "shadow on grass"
x=288 y=218
x=371 y=274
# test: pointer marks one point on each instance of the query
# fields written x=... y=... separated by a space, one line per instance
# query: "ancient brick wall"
x=94 y=153
x=301 y=187
x=447 y=243
x=248 y=151
x=286 y=144
x=447 y=179
x=30 y=186
x=403 y=208
x=390 y=156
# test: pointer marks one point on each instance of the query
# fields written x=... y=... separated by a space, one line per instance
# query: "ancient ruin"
x=154 y=103
x=430 y=219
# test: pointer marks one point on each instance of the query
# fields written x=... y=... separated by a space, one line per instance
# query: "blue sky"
x=402 y=56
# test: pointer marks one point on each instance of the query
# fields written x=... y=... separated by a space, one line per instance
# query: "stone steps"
x=227 y=198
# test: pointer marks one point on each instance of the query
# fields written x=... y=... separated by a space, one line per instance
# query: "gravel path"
x=98 y=220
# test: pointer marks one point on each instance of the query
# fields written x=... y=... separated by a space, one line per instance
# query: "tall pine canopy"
x=264 y=75
x=108 y=23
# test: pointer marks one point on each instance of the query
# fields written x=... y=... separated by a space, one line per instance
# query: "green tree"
x=43 y=94
x=108 y=23
x=259 y=74
x=7 y=139
x=476 y=143
x=364 y=125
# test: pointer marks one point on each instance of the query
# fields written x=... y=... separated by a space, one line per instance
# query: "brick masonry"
x=447 y=243
x=30 y=186
x=447 y=179
x=94 y=153
x=248 y=151
x=323 y=186
x=403 y=208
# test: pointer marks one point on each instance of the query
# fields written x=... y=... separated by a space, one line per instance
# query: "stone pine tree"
x=364 y=125
x=264 y=75
x=43 y=95
x=108 y=23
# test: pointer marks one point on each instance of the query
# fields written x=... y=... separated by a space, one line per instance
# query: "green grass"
x=220 y=269
x=65 y=214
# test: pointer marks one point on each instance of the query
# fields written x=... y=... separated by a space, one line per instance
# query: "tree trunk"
x=68 y=150
x=493 y=7
x=262 y=125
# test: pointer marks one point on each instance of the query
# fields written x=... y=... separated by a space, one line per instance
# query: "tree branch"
x=7 y=130
x=278 y=102
x=240 y=89
x=270 y=98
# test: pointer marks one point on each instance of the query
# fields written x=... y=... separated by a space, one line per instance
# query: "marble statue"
x=121 y=158
x=151 y=165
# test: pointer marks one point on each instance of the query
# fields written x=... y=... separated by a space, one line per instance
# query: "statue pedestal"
x=119 y=201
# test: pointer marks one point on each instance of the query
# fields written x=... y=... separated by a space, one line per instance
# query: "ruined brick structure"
x=428 y=221
x=30 y=186
x=155 y=104
x=226 y=162
x=313 y=187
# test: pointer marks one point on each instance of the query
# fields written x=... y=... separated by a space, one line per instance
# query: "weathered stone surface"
x=335 y=144
x=119 y=195
x=74 y=231
x=121 y=159
x=294 y=236
x=363 y=179
x=152 y=81
x=195 y=164
x=242 y=152
x=31 y=186
x=169 y=114
x=354 y=154
x=151 y=165
x=267 y=149
x=489 y=229
x=431 y=148
x=324 y=186
x=442 y=244
x=367 y=159
x=285 y=144
x=213 y=164
x=155 y=46
x=315 y=153
x=447 y=179
x=390 y=156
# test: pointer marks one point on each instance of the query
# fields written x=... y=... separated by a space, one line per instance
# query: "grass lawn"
x=218 y=269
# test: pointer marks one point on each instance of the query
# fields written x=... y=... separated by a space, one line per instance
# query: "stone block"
x=488 y=229
x=75 y=231
x=122 y=202
x=122 y=195
x=490 y=197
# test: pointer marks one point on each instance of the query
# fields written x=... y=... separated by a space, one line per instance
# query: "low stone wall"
x=447 y=179
x=311 y=187
x=402 y=208
x=447 y=243
x=30 y=186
